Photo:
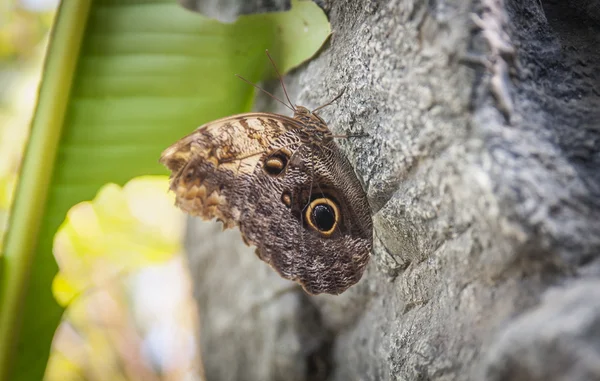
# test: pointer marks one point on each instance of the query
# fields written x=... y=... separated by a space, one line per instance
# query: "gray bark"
x=482 y=167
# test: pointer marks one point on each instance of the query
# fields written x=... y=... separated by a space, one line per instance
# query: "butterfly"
x=287 y=186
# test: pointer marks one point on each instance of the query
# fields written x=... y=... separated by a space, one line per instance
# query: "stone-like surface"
x=482 y=169
x=559 y=340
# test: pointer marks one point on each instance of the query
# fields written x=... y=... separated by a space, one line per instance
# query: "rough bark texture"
x=482 y=167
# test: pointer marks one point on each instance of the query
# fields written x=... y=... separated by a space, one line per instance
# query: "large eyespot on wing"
x=323 y=215
x=212 y=167
x=340 y=240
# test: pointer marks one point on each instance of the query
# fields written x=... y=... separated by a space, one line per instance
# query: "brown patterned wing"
x=290 y=190
x=309 y=217
x=212 y=168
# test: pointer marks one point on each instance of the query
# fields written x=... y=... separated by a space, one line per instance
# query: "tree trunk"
x=482 y=167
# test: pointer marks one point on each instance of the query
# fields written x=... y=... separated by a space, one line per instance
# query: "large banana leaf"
x=123 y=79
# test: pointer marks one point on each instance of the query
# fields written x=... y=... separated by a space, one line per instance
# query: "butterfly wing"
x=295 y=198
x=212 y=168
x=311 y=222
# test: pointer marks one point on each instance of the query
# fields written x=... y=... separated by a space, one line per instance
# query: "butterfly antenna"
x=330 y=102
x=280 y=79
x=265 y=91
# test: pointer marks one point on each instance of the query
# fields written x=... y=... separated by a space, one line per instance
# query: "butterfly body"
x=285 y=183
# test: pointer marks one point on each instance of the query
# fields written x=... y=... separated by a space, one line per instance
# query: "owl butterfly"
x=285 y=183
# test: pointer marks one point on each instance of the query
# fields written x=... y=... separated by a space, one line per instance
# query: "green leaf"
x=123 y=80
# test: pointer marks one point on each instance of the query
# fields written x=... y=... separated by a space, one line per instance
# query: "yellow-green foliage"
x=100 y=249
x=121 y=230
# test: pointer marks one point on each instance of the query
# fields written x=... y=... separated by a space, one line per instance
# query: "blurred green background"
x=118 y=330
x=145 y=74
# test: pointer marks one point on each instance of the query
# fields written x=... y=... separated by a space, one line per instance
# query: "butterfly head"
x=310 y=120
